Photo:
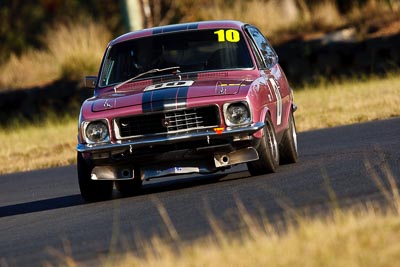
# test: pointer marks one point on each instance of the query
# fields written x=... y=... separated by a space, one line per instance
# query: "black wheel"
x=268 y=152
x=92 y=190
x=288 y=148
x=130 y=187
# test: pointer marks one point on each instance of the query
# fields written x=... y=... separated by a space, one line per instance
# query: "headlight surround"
x=237 y=114
x=96 y=131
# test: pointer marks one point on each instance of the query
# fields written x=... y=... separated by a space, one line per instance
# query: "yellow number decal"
x=232 y=36
x=221 y=35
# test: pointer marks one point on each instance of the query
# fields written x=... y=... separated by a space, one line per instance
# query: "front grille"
x=195 y=119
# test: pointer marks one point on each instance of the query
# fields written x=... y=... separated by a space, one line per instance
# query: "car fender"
x=263 y=117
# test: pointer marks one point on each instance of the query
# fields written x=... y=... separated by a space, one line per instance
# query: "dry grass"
x=72 y=49
x=282 y=20
x=77 y=47
x=254 y=12
x=365 y=237
x=347 y=102
x=34 y=68
x=360 y=235
x=29 y=147
x=326 y=15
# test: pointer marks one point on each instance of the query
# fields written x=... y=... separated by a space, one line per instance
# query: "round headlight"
x=237 y=114
x=97 y=132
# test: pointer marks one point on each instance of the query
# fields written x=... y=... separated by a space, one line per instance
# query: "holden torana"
x=185 y=98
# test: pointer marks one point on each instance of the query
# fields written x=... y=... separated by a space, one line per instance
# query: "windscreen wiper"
x=143 y=74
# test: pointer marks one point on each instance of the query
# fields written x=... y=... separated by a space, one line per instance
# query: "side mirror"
x=90 y=81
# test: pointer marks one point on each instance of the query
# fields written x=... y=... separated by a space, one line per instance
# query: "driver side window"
x=265 y=48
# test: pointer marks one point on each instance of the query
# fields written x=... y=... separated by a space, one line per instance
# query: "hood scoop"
x=168 y=85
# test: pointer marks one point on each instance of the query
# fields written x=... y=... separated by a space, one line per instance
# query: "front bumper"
x=169 y=139
x=117 y=161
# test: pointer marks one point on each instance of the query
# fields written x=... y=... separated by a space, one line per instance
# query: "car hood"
x=166 y=95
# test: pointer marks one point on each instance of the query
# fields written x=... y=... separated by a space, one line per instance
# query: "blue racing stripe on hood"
x=164 y=99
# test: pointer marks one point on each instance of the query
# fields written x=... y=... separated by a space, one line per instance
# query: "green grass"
x=52 y=143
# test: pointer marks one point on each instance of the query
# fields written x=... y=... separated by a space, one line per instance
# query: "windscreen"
x=192 y=51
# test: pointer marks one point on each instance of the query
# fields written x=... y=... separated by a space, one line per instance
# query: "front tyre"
x=268 y=152
x=288 y=148
x=91 y=190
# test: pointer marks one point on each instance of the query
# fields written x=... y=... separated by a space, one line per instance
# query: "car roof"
x=200 y=25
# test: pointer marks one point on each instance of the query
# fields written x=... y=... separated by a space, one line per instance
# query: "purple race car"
x=186 y=98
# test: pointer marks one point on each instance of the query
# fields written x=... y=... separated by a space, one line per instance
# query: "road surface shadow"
x=162 y=185
x=41 y=205
x=176 y=183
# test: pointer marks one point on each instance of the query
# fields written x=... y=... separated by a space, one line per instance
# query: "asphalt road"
x=42 y=215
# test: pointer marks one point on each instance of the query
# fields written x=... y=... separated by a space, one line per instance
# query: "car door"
x=273 y=76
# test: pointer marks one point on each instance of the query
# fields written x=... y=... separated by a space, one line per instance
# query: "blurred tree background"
x=22 y=23
x=45 y=39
